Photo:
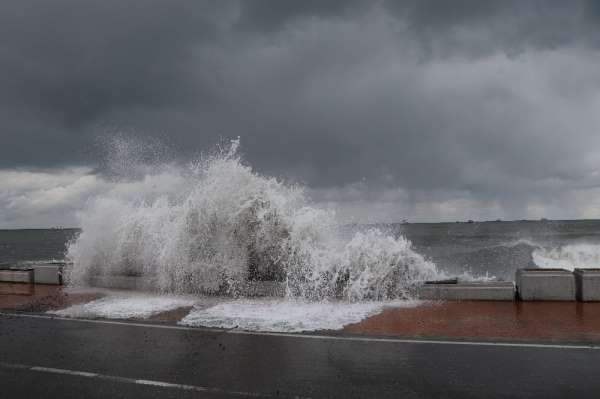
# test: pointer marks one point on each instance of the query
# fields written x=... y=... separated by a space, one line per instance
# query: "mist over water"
x=217 y=224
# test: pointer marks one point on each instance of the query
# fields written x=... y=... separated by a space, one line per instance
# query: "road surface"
x=41 y=357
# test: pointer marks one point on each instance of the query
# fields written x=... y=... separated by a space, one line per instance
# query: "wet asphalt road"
x=44 y=358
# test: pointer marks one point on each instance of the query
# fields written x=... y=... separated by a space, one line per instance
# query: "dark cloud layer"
x=495 y=102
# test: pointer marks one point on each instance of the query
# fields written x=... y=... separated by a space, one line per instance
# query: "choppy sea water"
x=499 y=248
x=17 y=246
x=481 y=248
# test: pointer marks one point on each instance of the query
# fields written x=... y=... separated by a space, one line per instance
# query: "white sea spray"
x=218 y=224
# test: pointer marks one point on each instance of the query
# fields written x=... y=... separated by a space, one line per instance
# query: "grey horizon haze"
x=385 y=110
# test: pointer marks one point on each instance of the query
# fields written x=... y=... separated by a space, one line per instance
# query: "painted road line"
x=126 y=380
x=310 y=336
x=62 y=371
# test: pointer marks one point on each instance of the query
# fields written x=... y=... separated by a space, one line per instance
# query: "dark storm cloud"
x=510 y=25
x=268 y=16
x=66 y=64
x=441 y=101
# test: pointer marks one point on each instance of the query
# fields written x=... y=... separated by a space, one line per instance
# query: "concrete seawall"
x=147 y=283
x=473 y=291
x=531 y=285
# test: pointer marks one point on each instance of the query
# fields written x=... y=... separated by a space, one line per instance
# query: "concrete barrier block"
x=468 y=291
x=545 y=285
x=48 y=273
x=587 y=282
x=16 y=276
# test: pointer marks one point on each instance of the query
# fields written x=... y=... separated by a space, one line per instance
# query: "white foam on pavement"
x=251 y=314
x=139 y=306
x=285 y=315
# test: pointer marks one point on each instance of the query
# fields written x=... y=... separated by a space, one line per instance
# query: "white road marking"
x=63 y=371
x=160 y=384
x=310 y=336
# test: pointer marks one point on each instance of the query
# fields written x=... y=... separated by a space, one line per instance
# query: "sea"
x=494 y=249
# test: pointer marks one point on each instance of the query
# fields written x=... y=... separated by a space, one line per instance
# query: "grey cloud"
x=66 y=64
x=480 y=27
x=266 y=16
x=444 y=28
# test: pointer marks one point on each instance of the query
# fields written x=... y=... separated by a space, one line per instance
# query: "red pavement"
x=481 y=320
x=39 y=297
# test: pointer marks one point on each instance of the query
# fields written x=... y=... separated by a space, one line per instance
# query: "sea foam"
x=291 y=315
x=125 y=306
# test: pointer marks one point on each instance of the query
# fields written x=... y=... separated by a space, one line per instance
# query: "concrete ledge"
x=545 y=285
x=124 y=282
x=587 y=282
x=139 y=283
x=16 y=276
x=265 y=288
x=473 y=291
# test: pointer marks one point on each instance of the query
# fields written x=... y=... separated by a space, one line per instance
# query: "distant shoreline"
x=372 y=223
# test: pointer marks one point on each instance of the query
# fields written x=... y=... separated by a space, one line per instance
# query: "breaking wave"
x=556 y=255
x=217 y=226
x=568 y=256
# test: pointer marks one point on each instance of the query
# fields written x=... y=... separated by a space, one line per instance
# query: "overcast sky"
x=418 y=110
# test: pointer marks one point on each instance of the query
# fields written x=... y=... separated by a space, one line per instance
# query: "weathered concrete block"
x=48 y=273
x=545 y=285
x=468 y=291
x=16 y=276
x=587 y=282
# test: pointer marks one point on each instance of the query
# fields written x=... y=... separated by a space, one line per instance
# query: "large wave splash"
x=224 y=225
